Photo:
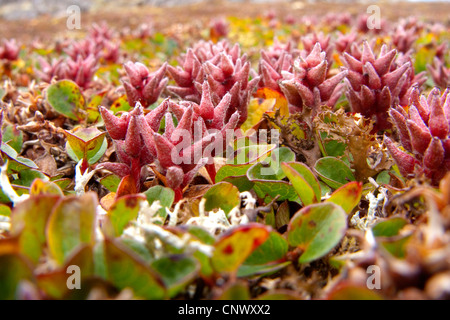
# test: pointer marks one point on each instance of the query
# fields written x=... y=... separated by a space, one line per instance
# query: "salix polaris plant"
x=180 y=151
x=209 y=118
x=424 y=134
x=189 y=75
x=98 y=42
x=309 y=41
x=183 y=150
x=80 y=70
x=374 y=84
x=9 y=50
x=344 y=41
x=308 y=86
x=225 y=69
x=439 y=73
x=132 y=135
x=141 y=86
x=273 y=63
x=404 y=38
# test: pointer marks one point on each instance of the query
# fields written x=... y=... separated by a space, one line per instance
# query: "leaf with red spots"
x=233 y=247
x=267 y=258
x=347 y=196
x=223 y=196
x=317 y=229
x=124 y=210
x=66 y=98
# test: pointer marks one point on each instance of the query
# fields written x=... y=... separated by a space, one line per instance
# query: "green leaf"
x=250 y=154
x=268 y=189
x=326 y=190
x=231 y=171
x=13 y=137
x=383 y=177
x=347 y=196
x=236 y=291
x=177 y=272
x=234 y=246
x=202 y=234
x=222 y=195
x=331 y=148
x=317 y=229
x=40 y=186
x=267 y=258
x=27 y=176
x=166 y=196
x=273 y=249
x=5 y=210
x=269 y=169
x=62 y=183
x=120 y=104
x=66 y=98
x=16 y=162
x=333 y=172
x=240 y=182
x=124 y=210
x=277 y=157
x=125 y=269
x=2 y=93
x=110 y=182
x=92 y=107
x=395 y=245
x=13 y=269
x=139 y=248
x=54 y=283
x=279 y=295
x=28 y=221
x=71 y=224
x=387 y=233
x=389 y=227
x=353 y=292
x=247 y=270
x=86 y=143
x=303 y=181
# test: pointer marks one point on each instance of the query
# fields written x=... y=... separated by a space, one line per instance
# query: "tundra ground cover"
x=268 y=157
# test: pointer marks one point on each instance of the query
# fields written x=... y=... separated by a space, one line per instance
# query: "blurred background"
x=29 y=19
x=29 y=9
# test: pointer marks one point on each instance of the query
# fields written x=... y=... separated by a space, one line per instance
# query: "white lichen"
x=213 y=222
x=100 y=214
x=217 y=221
x=173 y=216
x=375 y=202
x=146 y=230
x=5 y=224
x=81 y=180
